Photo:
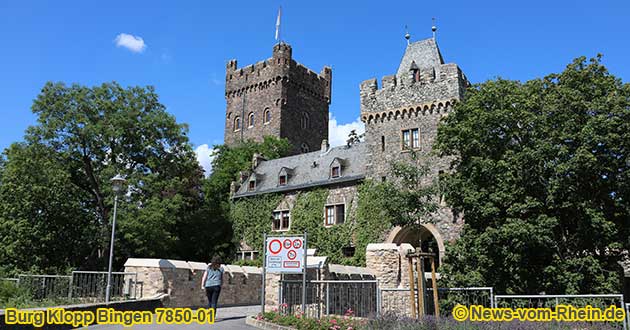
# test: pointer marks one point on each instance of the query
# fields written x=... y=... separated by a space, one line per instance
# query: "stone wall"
x=181 y=280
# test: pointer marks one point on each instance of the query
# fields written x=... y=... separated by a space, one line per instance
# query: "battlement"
x=280 y=67
x=425 y=86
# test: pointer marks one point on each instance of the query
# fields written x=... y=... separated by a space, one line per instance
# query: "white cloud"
x=338 y=134
x=205 y=155
x=133 y=43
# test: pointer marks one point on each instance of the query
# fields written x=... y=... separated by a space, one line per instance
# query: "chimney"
x=256 y=159
x=324 y=146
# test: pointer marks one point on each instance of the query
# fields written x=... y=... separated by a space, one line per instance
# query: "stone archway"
x=428 y=234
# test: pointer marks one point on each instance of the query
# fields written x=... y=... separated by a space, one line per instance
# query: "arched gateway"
x=427 y=234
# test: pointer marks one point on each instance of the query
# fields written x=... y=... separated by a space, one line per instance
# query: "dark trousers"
x=213 y=296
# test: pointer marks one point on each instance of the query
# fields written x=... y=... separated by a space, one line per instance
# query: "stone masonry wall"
x=182 y=281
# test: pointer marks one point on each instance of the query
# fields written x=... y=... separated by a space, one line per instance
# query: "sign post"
x=285 y=255
x=304 y=277
x=262 y=296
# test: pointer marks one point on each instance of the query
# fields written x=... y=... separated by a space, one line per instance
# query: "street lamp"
x=118 y=183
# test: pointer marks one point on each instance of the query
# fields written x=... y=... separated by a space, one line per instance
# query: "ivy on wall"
x=308 y=214
x=369 y=223
x=251 y=218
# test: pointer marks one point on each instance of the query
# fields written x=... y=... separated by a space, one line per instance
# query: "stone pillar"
x=388 y=264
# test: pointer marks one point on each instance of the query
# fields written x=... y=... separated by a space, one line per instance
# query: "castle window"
x=348 y=251
x=267 y=116
x=281 y=220
x=250 y=120
x=237 y=123
x=382 y=142
x=304 y=148
x=411 y=139
x=304 y=122
x=335 y=215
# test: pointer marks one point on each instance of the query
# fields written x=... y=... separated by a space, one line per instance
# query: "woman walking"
x=211 y=281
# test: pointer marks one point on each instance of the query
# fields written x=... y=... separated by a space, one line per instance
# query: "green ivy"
x=367 y=224
x=251 y=218
x=308 y=214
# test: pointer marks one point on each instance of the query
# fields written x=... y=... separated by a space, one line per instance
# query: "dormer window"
x=335 y=168
x=335 y=171
x=252 y=185
x=283 y=176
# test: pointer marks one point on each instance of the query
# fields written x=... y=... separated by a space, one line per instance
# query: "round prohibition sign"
x=287 y=243
x=273 y=245
x=297 y=243
x=291 y=255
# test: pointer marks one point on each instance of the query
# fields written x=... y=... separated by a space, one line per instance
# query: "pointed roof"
x=424 y=54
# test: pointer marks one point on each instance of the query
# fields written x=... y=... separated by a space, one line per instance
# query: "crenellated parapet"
x=424 y=91
x=280 y=68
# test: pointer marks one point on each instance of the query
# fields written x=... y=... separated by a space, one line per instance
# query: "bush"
x=12 y=295
x=346 y=322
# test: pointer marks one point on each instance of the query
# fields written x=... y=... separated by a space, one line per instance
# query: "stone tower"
x=404 y=114
x=277 y=97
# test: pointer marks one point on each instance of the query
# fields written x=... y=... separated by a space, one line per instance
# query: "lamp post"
x=117 y=186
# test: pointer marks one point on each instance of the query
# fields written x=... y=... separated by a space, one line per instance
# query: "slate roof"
x=304 y=174
x=425 y=53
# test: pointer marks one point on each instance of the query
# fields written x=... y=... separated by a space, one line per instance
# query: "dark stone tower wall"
x=289 y=90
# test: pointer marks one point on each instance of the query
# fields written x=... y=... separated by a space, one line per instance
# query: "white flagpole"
x=278 y=24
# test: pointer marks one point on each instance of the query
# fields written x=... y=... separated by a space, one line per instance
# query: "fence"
x=397 y=300
x=331 y=297
x=81 y=286
x=601 y=301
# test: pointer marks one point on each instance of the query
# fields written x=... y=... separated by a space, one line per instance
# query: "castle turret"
x=404 y=113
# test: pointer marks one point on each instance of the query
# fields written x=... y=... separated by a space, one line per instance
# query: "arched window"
x=237 y=123
x=250 y=120
x=304 y=148
x=267 y=116
x=304 y=120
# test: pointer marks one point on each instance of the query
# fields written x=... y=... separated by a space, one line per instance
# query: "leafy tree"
x=542 y=175
x=227 y=164
x=59 y=180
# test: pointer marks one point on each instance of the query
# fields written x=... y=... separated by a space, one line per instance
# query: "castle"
x=282 y=98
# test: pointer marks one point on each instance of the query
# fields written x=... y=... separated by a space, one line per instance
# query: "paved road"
x=229 y=318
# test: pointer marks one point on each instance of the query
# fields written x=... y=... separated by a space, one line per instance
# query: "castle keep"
x=401 y=118
x=277 y=97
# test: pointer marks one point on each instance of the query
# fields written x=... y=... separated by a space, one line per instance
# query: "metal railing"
x=91 y=285
x=9 y=279
x=330 y=297
x=46 y=286
x=627 y=315
x=601 y=301
x=81 y=286
x=396 y=300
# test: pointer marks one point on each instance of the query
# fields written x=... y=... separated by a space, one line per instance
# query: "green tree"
x=543 y=179
x=83 y=137
x=227 y=164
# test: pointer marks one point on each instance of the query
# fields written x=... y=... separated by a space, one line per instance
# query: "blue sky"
x=187 y=43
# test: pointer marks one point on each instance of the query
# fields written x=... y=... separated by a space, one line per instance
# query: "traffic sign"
x=284 y=255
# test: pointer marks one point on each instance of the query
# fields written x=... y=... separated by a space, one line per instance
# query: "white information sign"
x=284 y=254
